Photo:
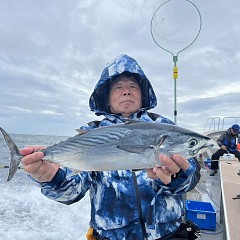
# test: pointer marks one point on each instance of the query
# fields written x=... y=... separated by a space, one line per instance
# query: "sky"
x=52 y=54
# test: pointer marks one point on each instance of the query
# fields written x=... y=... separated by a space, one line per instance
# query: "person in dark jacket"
x=228 y=144
x=125 y=205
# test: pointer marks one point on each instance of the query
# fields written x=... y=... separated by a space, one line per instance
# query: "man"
x=228 y=144
x=125 y=205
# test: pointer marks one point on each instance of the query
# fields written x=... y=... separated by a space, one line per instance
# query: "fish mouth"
x=203 y=148
x=206 y=146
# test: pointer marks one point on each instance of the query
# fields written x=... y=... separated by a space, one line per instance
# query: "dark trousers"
x=218 y=154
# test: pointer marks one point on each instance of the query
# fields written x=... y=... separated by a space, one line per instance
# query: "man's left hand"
x=171 y=166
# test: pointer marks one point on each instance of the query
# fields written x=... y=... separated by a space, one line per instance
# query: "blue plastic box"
x=201 y=213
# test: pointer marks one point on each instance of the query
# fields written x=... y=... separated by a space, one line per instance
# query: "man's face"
x=125 y=96
x=233 y=133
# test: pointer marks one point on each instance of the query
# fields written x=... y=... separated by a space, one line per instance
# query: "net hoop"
x=198 y=32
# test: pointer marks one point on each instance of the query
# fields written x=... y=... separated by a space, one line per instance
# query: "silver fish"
x=131 y=145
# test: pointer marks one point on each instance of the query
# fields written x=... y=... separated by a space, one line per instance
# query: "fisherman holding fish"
x=138 y=203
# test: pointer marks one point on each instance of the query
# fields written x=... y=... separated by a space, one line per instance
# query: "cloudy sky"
x=52 y=53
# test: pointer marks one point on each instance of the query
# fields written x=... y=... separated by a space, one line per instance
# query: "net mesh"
x=175 y=25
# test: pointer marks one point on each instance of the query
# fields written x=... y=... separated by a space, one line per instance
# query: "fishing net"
x=175 y=25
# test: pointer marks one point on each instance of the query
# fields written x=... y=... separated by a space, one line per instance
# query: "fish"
x=132 y=145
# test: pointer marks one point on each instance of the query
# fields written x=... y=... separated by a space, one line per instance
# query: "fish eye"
x=193 y=142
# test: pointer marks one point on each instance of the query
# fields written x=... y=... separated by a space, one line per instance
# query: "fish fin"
x=14 y=152
x=162 y=139
x=81 y=131
x=133 y=149
x=139 y=150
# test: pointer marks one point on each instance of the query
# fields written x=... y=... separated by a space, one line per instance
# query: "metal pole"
x=175 y=76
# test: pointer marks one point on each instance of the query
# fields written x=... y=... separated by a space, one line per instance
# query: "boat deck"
x=222 y=191
x=230 y=188
x=209 y=190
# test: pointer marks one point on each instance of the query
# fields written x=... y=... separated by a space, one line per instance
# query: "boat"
x=214 y=127
x=212 y=189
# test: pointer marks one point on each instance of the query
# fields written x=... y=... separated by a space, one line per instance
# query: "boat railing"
x=214 y=127
x=217 y=124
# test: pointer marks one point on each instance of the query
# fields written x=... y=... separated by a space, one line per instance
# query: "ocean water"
x=25 y=213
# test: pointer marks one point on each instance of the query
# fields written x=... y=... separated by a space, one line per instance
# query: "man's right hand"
x=39 y=169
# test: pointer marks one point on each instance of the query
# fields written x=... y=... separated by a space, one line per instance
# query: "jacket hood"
x=98 y=101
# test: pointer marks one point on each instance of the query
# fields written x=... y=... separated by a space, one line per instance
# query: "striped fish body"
x=103 y=149
x=132 y=145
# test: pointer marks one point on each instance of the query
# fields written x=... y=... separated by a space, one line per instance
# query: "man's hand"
x=224 y=147
x=171 y=167
x=39 y=169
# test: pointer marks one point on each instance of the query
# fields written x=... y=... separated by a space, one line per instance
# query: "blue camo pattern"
x=120 y=64
x=114 y=212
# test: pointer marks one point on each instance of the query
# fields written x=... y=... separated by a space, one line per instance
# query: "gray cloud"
x=52 y=54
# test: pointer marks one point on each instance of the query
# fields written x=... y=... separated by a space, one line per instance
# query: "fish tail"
x=14 y=152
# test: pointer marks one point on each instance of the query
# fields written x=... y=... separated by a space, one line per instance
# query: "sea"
x=25 y=213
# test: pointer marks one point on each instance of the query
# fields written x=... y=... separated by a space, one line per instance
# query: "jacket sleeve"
x=167 y=205
x=195 y=177
x=220 y=140
x=66 y=187
x=184 y=181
